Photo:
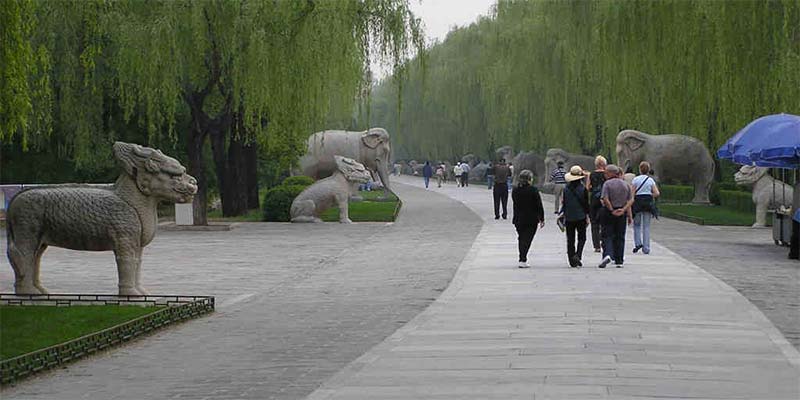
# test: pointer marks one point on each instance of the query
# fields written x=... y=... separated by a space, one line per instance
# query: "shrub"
x=301 y=180
x=676 y=193
x=734 y=199
x=713 y=193
x=278 y=201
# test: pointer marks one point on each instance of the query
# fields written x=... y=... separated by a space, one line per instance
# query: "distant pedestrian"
x=440 y=174
x=458 y=171
x=596 y=179
x=500 y=193
x=490 y=175
x=528 y=212
x=645 y=193
x=465 y=168
x=617 y=197
x=576 y=213
x=557 y=178
x=427 y=173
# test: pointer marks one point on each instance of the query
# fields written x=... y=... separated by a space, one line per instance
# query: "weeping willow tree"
x=242 y=76
x=572 y=73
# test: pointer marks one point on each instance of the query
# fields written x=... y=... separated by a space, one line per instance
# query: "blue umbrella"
x=770 y=141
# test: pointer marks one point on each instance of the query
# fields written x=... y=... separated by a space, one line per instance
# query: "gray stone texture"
x=532 y=162
x=295 y=303
x=333 y=190
x=122 y=218
x=768 y=192
x=672 y=158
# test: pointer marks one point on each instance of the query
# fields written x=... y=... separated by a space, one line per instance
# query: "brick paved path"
x=659 y=328
x=296 y=303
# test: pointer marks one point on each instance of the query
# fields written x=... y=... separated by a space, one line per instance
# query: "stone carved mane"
x=122 y=218
x=768 y=192
x=333 y=190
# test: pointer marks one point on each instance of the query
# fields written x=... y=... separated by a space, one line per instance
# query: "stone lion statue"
x=121 y=218
x=335 y=189
x=765 y=195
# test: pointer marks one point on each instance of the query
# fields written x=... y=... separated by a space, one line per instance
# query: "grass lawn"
x=364 y=211
x=250 y=216
x=24 y=329
x=710 y=215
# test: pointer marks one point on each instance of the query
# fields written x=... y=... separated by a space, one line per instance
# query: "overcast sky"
x=439 y=16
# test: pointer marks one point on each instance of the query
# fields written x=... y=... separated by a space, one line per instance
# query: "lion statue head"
x=353 y=170
x=156 y=174
x=748 y=175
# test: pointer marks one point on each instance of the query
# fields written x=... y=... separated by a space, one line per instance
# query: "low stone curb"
x=178 y=308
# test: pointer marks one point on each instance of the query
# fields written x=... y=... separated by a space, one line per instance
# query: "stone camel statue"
x=79 y=217
x=768 y=192
x=335 y=189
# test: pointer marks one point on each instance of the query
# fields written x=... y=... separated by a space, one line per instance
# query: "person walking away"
x=576 y=213
x=500 y=193
x=465 y=174
x=596 y=179
x=557 y=177
x=528 y=212
x=645 y=192
x=490 y=175
x=458 y=171
x=617 y=197
x=439 y=174
x=427 y=173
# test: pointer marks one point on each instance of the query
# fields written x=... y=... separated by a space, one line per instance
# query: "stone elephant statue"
x=471 y=159
x=532 y=162
x=768 y=192
x=671 y=157
x=504 y=153
x=478 y=172
x=372 y=148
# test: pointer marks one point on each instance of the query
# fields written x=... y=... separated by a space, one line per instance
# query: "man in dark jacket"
x=427 y=173
x=528 y=212
x=501 y=172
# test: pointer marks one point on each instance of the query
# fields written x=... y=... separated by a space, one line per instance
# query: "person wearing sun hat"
x=576 y=213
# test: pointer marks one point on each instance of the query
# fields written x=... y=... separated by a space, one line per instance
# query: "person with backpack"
x=575 y=213
x=596 y=179
x=646 y=191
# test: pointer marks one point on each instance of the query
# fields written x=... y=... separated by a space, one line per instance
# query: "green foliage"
x=278 y=201
x=676 y=193
x=538 y=74
x=707 y=215
x=364 y=211
x=298 y=180
x=29 y=328
x=737 y=200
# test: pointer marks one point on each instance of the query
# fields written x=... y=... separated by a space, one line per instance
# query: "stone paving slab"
x=658 y=328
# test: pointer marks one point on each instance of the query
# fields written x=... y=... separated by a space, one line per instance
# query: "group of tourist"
x=601 y=199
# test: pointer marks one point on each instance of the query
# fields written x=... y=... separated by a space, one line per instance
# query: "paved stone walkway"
x=295 y=303
x=659 y=328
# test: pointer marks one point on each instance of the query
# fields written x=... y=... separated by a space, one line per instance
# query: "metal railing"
x=176 y=308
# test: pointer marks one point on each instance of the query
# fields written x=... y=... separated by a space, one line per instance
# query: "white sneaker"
x=606 y=261
x=524 y=264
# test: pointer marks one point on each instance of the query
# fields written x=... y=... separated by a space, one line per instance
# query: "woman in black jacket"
x=528 y=212
x=576 y=213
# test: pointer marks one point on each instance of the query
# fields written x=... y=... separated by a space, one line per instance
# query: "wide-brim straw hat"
x=575 y=173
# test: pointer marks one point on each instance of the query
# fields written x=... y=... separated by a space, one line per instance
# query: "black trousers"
x=465 y=179
x=614 y=238
x=794 y=242
x=578 y=227
x=597 y=236
x=500 y=194
x=526 y=234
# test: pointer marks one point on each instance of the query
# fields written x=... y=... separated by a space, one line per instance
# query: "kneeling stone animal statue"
x=768 y=192
x=335 y=189
x=122 y=218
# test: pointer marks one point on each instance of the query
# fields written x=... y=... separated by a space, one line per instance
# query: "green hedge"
x=737 y=200
x=676 y=193
x=298 y=180
x=278 y=201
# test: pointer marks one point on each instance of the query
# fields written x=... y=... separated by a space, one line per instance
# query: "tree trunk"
x=234 y=200
x=251 y=157
x=196 y=139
